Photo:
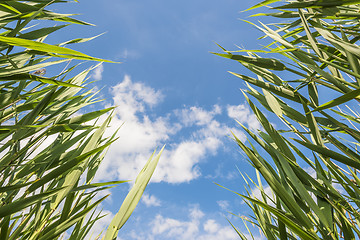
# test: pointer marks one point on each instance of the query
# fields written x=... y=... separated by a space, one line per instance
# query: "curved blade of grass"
x=133 y=197
x=20 y=204
x=14 y=187
x=56 y=229
x=268 y=63
x=29 y=68
x=95 y=185
x=329 y=153
x=41 y=32
x=26 y=76
x=43 y=47
x=65 y=167
x=263 y=3
x=340 y=100
x=303 y=233
x=281 y=91
x=318 y=3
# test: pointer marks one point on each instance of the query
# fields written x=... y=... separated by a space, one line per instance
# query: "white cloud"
x=177 y=229
x=211 y=226
x=196 y=226
x=196 y=213
x=243 y=114
x=173 y=229
x=238 y=133
x=150 y=200
x=196 y=135
x=197 y=115
x=140 y=135
x=224 y=205
x=180 y=163
x=133 y=97
x=97 y=73
x=128 y=54
x=214 y=231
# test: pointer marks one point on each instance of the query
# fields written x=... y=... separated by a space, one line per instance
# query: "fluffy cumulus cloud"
x=197 y=115
x=196 y=226
x=243 y=114
x=177 y=229
x=132 y=98
x=141 y=133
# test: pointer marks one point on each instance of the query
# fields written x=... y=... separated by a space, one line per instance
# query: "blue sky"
x=171 y=90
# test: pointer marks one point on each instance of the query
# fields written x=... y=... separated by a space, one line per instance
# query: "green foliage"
x=50 y=150
x=312 y=165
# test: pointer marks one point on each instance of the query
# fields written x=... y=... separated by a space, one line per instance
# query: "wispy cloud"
x=97 y=73
x=128 y=54
x=150 y=200
x=224 y=205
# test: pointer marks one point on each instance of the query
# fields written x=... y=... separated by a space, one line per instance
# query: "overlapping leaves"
x=50 y=150
x=310 y=159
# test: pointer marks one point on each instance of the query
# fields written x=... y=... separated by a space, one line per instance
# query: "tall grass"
x=50 y=149
x=309 y=80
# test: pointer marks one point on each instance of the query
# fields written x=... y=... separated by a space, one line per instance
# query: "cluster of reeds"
x=310 y=158
x=50 y=150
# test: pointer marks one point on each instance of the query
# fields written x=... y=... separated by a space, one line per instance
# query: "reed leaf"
x=42 y=191
x=311 y=168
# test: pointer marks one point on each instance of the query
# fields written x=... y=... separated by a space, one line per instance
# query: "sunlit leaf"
x=133 y=197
